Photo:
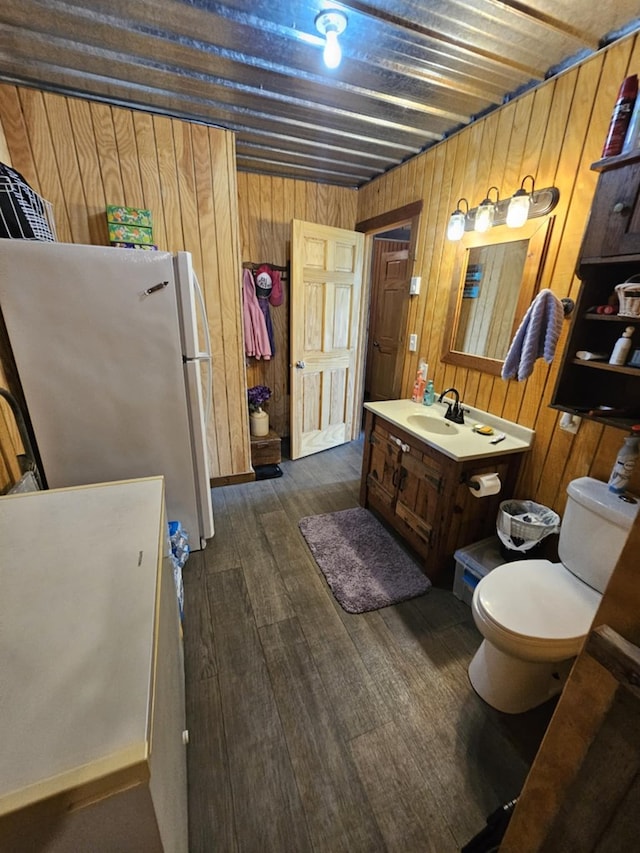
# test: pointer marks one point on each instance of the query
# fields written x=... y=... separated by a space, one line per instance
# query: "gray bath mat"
x=364 y=565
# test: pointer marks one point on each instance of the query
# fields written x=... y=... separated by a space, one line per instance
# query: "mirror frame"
x=538 y=232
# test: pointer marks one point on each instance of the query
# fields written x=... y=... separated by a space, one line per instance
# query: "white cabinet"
x=91 y=673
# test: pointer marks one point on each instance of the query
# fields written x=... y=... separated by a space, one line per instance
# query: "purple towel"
x=536 y=337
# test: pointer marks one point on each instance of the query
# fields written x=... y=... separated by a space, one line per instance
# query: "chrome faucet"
x=455 y=412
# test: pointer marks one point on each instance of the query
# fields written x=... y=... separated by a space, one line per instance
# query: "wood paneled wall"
x=267 y=206
x=82 y=155
x=553 y=132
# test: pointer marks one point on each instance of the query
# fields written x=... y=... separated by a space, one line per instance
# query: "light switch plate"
x=413 y=343
x=414 y=286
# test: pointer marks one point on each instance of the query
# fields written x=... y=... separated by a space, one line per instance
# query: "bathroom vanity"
x=416 y=467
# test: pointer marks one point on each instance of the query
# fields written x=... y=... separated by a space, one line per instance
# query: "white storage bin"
x=472 y=563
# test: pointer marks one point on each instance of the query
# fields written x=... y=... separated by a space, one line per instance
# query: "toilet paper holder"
x=466 y=480
x=471 y=481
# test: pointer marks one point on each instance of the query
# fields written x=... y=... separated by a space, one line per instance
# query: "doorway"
x=390 y=274
x=390 y=252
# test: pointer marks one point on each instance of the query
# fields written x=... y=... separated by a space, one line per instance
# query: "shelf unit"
x=610 y=255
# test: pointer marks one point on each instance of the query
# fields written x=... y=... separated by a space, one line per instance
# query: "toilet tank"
x=594 y=529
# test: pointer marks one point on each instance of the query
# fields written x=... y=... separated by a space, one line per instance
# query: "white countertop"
x=458 y=441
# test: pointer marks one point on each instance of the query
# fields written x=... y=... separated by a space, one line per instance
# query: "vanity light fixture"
x=457 y=221
x=519 y=204
x=331 y=23
x=486 y=211
x=514 y=211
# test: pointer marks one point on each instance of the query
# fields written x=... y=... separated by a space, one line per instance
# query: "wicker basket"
x=628 y=295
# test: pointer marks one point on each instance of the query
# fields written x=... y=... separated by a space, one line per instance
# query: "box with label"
x=129 y=215
x=148 y=246
x=119 y=233
x=472 y=563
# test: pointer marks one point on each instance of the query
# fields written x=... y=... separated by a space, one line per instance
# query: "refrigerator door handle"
x=207 y=354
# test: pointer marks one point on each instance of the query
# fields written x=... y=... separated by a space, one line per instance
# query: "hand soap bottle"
x=429 y=394
x=625 y=460
x=621 y=349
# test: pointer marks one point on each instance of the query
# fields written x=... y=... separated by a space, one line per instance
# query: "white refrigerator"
x=107 y=346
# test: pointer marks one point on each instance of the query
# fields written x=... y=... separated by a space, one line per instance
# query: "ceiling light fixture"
x=457 y=221
x=519 y=204
x=486 y=211
x=514 y=211
x=331 y=23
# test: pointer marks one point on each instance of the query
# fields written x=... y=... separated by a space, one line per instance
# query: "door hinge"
x=436 y=482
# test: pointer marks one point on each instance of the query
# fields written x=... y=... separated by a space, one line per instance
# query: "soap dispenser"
x=621 y=349
x=429 y=394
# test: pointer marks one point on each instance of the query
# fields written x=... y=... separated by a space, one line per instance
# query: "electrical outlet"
x=414 y=285
x=413 y=343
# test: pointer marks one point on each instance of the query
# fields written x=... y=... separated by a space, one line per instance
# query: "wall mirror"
x=496 y=277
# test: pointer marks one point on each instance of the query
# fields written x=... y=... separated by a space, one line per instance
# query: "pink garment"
x=256 y=339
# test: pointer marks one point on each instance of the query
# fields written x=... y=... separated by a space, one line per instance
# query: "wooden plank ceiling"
x=413 y=71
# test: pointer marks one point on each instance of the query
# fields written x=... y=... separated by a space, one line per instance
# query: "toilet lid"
x=536 y=598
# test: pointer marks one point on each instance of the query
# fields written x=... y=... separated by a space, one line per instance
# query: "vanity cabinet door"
x=614 y=223
x=384 y=467
x=419 y=503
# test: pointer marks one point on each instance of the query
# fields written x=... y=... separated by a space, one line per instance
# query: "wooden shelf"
x=609 y=255
x=616 y=161
x=604 y=365
x=611 y=317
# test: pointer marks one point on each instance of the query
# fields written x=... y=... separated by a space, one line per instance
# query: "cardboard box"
x=265 y=450
x=151 y=247
x=119 y=233
x=129 y=215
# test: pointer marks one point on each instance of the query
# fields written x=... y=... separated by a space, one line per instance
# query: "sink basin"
x=429 y=423
x=458 y=441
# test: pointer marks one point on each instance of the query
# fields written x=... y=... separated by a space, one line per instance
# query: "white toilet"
x=534 y=615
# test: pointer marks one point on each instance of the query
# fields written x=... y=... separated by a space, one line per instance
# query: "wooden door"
x=390 y=299
x=326 y=287
x=382 y=476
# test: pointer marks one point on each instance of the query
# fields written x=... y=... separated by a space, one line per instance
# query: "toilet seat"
x=534 y=609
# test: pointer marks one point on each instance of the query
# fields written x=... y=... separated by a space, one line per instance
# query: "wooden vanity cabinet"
x=422 y=493
x=610 y=255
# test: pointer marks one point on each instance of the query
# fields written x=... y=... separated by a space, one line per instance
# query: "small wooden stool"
x=265 y=449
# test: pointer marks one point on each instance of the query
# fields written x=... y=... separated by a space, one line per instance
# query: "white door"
x=326 y=291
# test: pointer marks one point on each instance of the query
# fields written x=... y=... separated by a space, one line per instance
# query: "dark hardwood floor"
x=312 y=729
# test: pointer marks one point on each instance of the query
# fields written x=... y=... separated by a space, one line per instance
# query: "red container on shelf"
x=621 y=116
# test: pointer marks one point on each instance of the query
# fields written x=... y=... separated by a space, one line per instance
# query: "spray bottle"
x=625 y=460
x=420 y=382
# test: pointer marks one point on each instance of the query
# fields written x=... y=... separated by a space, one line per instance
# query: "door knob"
x=376 y=343
x=300 y=365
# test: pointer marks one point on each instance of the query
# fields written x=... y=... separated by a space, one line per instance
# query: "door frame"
x=409 y=214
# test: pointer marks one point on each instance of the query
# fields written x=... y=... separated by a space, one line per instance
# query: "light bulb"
x=332 y=52
x=331 y=23
x=455 y=228
x=484 y=216
x=518 y=210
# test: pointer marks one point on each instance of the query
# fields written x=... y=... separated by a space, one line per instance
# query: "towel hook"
x=567 y=305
